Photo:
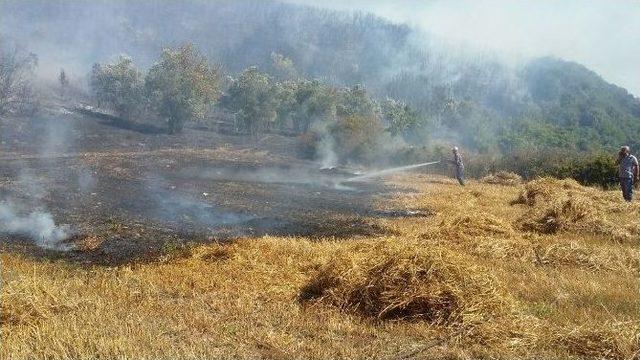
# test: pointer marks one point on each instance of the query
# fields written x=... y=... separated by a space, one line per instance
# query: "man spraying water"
x=457 y=161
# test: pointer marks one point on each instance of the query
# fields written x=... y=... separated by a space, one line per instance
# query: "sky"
x=603 y=35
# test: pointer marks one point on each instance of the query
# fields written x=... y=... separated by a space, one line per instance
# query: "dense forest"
x=441 y=93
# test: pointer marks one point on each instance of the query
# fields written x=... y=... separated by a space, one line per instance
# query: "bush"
x=357 y=137
x=599 y=169
x=590 y=169
x=306 y=145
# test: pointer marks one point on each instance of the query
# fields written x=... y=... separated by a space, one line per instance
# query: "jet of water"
x=389 y=171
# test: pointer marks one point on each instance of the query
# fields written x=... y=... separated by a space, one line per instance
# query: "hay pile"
x=610 y=341
x=399 y=280
x=472 y=225
x=503 y=178
x=565 y=206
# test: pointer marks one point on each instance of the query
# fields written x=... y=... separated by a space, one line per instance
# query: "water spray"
x=389 y=171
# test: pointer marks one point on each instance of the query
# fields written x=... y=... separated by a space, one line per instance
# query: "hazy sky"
x=604 y=35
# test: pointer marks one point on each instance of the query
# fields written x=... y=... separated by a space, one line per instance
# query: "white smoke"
x=328 y=157
x=325 y=150
x=37 y=225
x=596 y=33
x=173 y=205
x=86 y=182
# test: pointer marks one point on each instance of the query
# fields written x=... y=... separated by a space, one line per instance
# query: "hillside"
x=462 y=96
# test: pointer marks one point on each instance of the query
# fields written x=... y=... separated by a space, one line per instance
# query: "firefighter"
x=457 y=161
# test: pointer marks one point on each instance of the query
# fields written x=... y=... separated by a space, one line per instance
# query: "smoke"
x=25 y=211
x=37 y=225
x=28 y=217
x=597 y=33
x=86 y=181
x=328 y=157
x=325 y=150
x=269 y=175
x=174 y=206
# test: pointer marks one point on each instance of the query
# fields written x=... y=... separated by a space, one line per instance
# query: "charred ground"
x=132 y=194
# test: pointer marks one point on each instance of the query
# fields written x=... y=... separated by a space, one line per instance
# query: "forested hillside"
x=458 y=95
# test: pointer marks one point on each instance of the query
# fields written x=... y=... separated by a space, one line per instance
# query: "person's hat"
x=455 y=148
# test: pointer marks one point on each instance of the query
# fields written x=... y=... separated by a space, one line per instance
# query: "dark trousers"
x=627 y=188
x=460 y=175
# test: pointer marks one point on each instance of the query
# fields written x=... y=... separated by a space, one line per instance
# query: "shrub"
x=588 y=169
x=306 y=145
x=357 y=137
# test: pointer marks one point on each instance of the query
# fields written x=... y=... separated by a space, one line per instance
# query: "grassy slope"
x=572 y=293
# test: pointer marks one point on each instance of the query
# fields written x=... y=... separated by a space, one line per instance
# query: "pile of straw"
x=503 y=178
x=398 y=280
x=556 y=206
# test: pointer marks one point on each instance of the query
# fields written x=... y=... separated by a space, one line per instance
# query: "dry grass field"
x=545 y=270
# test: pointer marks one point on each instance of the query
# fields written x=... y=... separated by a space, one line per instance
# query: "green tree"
x=357 y=137
x=253 y=98
x=119 y=85
x=286 y=101
x=313 y=102
x=283 y=67
x=399 y=117
x=356 y=101
x=183 y=86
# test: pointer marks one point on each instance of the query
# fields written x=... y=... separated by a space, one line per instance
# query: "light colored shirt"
x=626 y=167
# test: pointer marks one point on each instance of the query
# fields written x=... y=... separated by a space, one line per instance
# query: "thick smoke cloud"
x=603 y=35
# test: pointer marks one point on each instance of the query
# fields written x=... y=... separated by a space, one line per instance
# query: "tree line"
x=183 y=86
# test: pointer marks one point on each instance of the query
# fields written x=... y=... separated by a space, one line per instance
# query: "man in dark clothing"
x=457 y=161
x=627 y=172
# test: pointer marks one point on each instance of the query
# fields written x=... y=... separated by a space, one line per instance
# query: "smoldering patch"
x=173 y=206
x=38 y=225
x=304 y=176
